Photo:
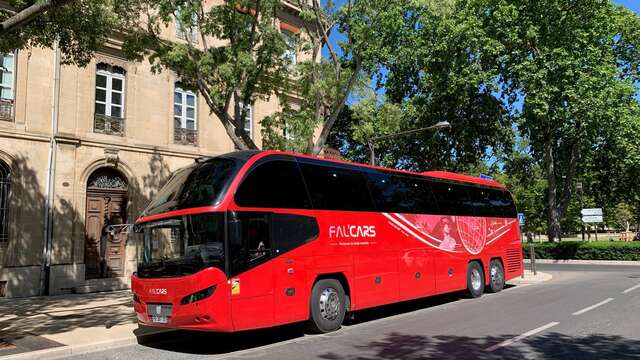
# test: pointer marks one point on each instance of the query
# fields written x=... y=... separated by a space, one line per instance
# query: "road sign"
x=487 y=177
x=591 y=212
x=592 y=218
x=521 y=218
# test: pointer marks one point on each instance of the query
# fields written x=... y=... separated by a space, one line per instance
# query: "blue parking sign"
x=521 y=218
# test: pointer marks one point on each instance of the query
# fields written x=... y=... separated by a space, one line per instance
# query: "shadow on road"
x=397 y=345
x=547 y=346
x=196 y=342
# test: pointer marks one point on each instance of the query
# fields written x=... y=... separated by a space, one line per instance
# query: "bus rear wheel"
x=475 y=280
x=328 y=307
x=496 y=276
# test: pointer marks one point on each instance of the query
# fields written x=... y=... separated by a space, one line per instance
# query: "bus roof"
x=446 y=175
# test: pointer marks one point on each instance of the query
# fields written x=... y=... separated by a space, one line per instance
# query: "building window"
x=187 y=31
x=291 y=54
x=7 y=97
x=5 y=183
x=248 y=119
x=109 y=111
x=185 y=115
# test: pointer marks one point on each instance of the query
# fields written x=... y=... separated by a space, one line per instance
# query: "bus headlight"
x=197 y=296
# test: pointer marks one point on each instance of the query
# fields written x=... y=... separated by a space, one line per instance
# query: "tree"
x=248 y=60
x=437 y=65
x=624 y=215
x=572 y=67
x=324 y=84
x=79 y=27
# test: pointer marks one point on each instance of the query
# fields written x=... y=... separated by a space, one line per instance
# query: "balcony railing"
x=6 y=110
x=108 y=125
x=189 y=35
x=185 y=136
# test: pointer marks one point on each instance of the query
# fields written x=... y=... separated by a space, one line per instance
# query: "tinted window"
x=274 y=184
x=478 y=202
x=203 y=184
x=290 y=231
x=264 y=235
x=334 y=188
x=401 y=194
x=501 y=203
x=453 y=199
x=254 y=244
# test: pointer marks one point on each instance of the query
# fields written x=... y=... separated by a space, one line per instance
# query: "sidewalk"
x=529 y=278
x=59 y=326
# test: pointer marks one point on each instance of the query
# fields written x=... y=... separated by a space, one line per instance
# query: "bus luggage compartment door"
x=290 y=291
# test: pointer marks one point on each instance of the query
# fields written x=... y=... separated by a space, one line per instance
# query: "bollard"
x=533 y=259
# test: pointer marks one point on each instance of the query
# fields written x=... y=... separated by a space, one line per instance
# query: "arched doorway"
x=104 y=252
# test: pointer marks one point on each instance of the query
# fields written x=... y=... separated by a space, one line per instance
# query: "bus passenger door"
x=290 y=232
x=252 y=272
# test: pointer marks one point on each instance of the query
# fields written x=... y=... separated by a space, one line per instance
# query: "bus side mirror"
x=234 y=229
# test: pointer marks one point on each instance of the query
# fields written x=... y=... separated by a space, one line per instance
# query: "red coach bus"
x=257 y=239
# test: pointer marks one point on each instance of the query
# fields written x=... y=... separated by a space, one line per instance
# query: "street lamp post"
x=370 y=141
x=579 y=191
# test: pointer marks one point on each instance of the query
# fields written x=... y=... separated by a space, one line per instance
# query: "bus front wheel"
x=475 y=280
x=328 y=307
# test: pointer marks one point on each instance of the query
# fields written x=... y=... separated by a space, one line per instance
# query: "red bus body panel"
x=407 y=256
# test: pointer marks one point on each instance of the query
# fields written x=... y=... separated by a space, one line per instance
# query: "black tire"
x=328 y=306
x=496 y=276
x=475 y=280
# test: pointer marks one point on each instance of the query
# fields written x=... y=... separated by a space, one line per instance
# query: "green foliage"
x=81 y=27
x=623 y=214
x=238 y=55
x=555 y=78
x=578 y=250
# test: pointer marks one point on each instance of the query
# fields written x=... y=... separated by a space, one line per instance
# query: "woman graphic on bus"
x=446 y=227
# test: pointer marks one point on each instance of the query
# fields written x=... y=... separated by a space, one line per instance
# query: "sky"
x=633 y=5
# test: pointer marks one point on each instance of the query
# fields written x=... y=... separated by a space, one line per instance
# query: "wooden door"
x=104 y=250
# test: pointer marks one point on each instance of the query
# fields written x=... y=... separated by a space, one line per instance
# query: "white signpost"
x=591 y=212
x=592 y=219
x=592 y=216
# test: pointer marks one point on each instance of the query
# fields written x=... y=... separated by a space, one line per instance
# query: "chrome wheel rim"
x=329 y=304
x=496 y=275
x=475 y=279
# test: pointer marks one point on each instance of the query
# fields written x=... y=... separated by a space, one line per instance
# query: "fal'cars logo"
x=352 y=231
x=158 y=291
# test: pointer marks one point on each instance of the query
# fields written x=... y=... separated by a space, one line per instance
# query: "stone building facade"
x=98 y=148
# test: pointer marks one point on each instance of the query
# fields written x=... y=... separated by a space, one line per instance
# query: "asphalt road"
x=584 y=312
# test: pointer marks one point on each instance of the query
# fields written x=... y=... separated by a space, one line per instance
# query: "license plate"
x=159 y=319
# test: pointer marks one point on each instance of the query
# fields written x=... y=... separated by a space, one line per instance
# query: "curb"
x=530 y=279
x=72 y=350
x=585 y=262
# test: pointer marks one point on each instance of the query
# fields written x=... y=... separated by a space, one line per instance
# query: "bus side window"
x=254 y=246
x=258 y=238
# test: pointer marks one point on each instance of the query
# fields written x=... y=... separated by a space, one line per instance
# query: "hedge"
x=579 y=250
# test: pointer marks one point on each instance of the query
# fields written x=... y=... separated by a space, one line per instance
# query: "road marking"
x=589 y=308
x=631 y=289
x=520 y=337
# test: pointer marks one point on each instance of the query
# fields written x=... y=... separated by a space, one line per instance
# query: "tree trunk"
x=553 y=222
x=28 y=14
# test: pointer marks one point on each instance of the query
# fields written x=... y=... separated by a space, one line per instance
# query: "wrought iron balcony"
x=185 y=136
x=108 y=125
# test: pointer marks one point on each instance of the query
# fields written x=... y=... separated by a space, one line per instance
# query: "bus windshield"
x=203 y=184
x=181 y=246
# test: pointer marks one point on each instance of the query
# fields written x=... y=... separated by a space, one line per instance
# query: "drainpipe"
x=51 y=172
